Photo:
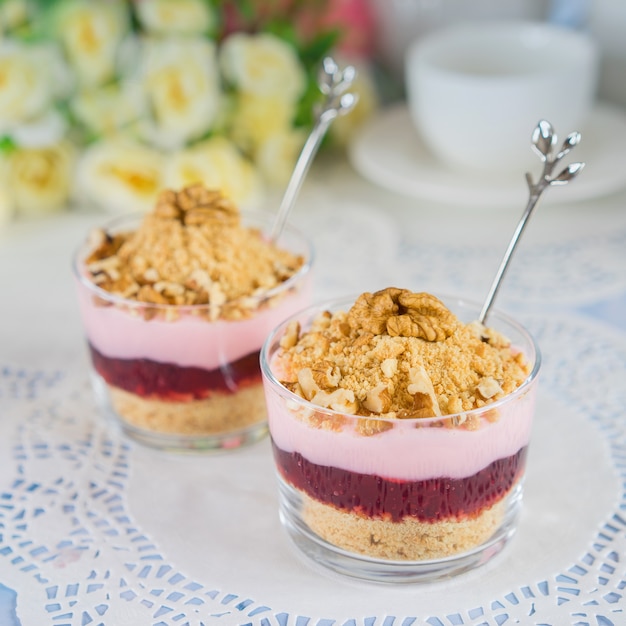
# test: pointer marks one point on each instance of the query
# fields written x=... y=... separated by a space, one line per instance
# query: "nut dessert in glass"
x=176 y=305
x=400 y=430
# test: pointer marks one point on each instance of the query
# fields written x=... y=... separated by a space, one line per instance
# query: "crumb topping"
x=191 y=249
x=398 y=354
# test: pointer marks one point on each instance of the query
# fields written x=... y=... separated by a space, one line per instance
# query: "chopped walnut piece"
x=97 y=238
x=378 y=399
x=421 y=388
x=369 y=427
x=192 y=250
x=340 y=400
x=326 y=375
x=307 y=383
x=488 y=387
x=290 y=338
x=423 y=406
x=149 y=294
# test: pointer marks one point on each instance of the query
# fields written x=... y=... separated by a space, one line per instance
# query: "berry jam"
x=432 y=500
x=166 y=381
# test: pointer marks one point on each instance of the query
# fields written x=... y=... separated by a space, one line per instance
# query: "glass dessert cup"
x=400 y=500
x=175 y=377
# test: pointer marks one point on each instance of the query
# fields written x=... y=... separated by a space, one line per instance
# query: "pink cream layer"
x=405 y=452
x=189 y=341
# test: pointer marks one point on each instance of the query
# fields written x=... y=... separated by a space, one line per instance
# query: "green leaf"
x=305 y=110
x=7 y=144
x=283 y=30
x=319 y=47
x=246 y=8
x=40 y=5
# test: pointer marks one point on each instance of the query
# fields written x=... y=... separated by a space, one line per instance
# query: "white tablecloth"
x=97 y=530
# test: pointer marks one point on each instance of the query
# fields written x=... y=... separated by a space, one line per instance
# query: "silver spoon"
x=544 y=140
x=333 y=82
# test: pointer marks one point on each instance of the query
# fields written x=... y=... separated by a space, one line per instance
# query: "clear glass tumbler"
x=400 y=500
x=174 y=377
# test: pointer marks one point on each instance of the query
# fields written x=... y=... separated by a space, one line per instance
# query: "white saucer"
x=389 y=152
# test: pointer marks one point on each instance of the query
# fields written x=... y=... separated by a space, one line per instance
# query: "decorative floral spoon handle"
x=544 y=141
x=333 y=83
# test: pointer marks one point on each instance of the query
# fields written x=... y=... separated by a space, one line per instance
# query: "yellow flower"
x=7 y=209
x=277 y=156
x=106 y=110
x=181 y=81
x=30 y=79
x=40 y=179
x=120 y=175
x=257 y=118
x=188 y=17
x=90 y=33
x=263 y=65
x=218 y=164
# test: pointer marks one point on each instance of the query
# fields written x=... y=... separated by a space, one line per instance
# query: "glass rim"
x=263 y=216
x=426 y=421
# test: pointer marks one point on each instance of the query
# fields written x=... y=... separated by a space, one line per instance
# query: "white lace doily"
x=82 y=550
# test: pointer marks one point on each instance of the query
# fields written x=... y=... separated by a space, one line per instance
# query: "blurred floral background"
x=104 y=102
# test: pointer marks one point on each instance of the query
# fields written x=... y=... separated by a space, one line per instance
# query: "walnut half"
x=195 y=205
x=402 y=313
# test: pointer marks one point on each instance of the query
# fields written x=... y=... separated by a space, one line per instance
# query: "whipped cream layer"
x=405 y=452
x=190 y=340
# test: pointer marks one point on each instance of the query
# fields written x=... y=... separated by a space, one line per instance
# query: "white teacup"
x=477 y=90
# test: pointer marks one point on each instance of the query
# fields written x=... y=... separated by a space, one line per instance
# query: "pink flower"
x=356 y=22
x=353 y=19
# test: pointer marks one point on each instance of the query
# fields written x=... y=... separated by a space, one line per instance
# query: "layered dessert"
x=176 y=308
x=399 y=432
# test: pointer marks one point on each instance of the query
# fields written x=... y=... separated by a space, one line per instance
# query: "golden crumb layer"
x=399 y=354
x=407 y=540
x=192 y=249
x=219 y=414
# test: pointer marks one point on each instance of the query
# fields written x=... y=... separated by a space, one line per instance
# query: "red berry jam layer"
x=432 y=500
x=169 y=382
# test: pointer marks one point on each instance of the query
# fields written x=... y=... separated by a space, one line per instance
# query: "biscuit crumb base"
x=220 y=414
x=408 y=540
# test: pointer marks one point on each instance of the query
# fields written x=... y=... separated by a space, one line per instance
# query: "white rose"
x=218 y=164
x=264 y=65
x=48 y=129
x=108 y=109
x=276 y=157
x=40 y=179
x=120 y=175
x=188 y=17
x=181 y=83
x=31 y=77
x=254 y=119
x=91 y=33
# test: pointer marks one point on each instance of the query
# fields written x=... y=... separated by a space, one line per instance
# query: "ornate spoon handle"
x=333 y=83
x=543 y=143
